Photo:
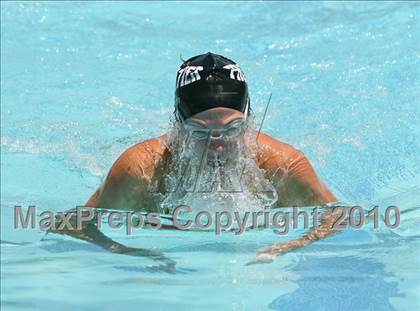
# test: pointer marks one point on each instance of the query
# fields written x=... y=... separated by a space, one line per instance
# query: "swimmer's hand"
x=261 y=258
x=269 y=253
x=118 y=248
x=90 y=233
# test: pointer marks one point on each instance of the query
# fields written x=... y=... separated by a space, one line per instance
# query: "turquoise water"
x=80 y=82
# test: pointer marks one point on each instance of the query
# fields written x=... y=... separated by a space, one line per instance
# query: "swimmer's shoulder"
x=141 y=159
x=273 y=154
x=128 y=181
x=301 y=186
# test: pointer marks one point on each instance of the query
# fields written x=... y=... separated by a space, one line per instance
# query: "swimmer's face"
x=216 y=134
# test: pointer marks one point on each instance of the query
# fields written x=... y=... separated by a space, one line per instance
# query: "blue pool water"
x=80 y=82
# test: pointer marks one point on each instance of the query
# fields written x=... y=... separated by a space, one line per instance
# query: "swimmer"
x=212 y=107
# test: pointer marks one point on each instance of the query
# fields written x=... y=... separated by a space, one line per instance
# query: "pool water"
x=82 y=81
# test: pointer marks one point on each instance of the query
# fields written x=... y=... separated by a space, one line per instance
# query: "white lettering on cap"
x=235 y=72
x=187 y=75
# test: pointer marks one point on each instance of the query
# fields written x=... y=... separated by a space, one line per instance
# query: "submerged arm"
x=298 y=185
x=325 y=229
x=125 y=188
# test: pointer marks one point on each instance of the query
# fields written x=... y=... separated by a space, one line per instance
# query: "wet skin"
x=145 y=163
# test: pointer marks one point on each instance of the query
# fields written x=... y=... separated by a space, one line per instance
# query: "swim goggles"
x=231 y=130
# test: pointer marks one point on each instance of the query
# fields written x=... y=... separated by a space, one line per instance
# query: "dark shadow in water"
x=340 y=283
x=64 y=246
x=156 y=269
x=14 y=243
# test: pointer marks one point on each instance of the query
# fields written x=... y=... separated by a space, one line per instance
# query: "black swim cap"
x=208 y=81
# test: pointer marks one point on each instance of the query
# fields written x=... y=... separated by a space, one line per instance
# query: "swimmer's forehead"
x=216 y=117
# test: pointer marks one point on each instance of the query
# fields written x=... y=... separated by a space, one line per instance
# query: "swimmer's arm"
x=325 y=229
x=301 y=186
x=124 y=188
x=90 y=233
x=291 y=173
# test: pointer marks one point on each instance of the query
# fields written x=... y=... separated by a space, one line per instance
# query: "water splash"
x=233 y=183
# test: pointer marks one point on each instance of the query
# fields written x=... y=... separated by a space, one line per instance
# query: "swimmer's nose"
x=216 y=143
x=216 y=146
x=219 y=148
